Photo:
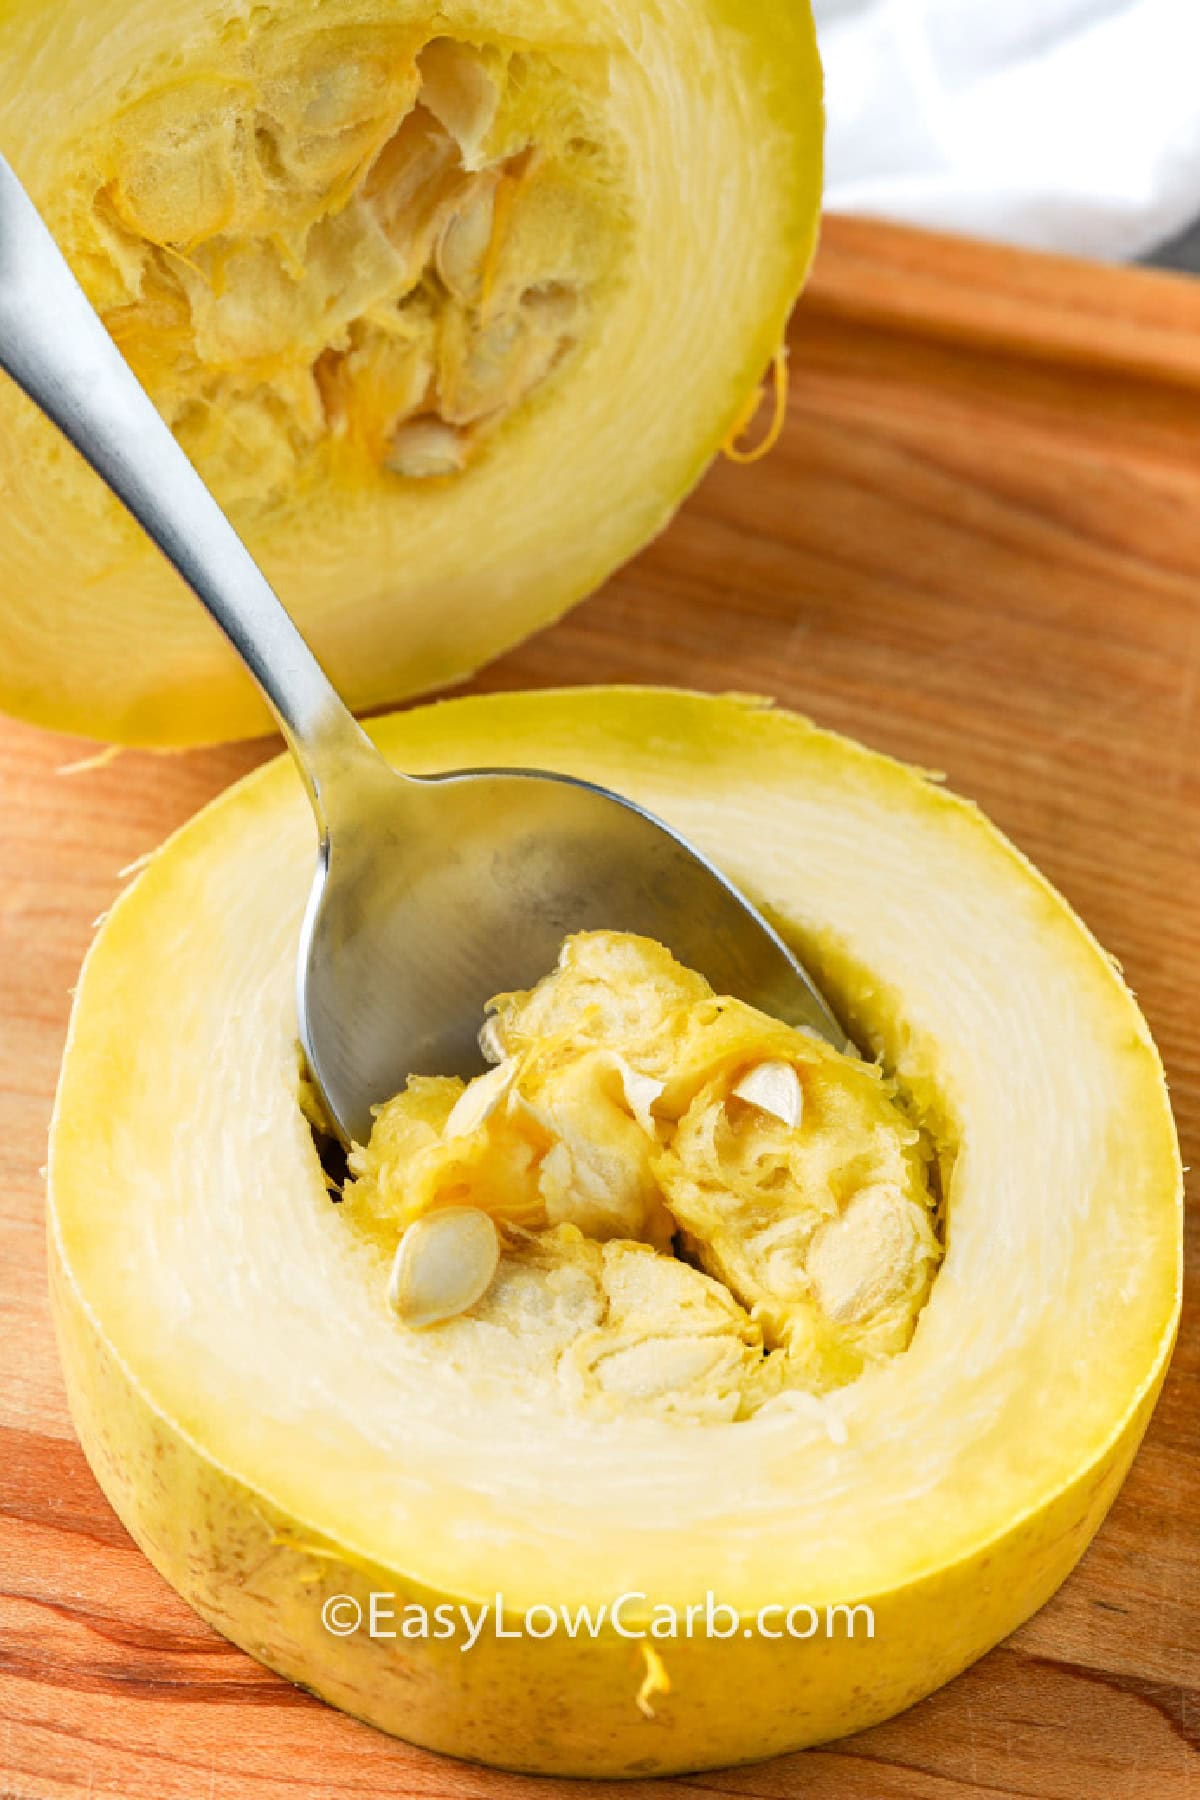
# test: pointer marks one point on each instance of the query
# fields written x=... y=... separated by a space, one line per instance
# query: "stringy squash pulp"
x=450 y=307
x=632 y=1111
x=274 y=1435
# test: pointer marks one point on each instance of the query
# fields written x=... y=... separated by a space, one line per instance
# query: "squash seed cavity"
x=361 y=244
x=694 y=1208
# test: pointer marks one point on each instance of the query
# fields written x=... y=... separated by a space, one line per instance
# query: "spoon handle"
x=54 y=346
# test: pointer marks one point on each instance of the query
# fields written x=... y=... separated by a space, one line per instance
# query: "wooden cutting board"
x=977 y=547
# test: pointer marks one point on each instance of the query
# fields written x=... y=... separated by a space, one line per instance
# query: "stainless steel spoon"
x=432 y=893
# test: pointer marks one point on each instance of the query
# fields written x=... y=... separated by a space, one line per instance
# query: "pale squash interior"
x=451 y=306
x=191 y=1215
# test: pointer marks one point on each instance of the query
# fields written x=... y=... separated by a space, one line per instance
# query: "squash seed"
x=479 y=1100
x=491 y=1039
x=773 y=1087
x=425 y=448
x=445 y=1263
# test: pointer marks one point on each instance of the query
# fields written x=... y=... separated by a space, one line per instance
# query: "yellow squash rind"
x=195 y=1255
x=703 y=220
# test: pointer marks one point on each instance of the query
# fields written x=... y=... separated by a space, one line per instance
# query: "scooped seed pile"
x=684 y=1206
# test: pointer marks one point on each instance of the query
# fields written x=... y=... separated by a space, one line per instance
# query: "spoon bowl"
x=448 y=890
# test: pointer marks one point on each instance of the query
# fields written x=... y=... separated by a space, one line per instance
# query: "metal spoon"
x=432 y=893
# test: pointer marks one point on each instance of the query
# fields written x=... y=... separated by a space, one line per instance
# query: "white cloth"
x=1060 y=124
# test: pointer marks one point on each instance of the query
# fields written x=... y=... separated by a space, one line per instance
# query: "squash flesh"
x=953 y=1487
x=427 y=473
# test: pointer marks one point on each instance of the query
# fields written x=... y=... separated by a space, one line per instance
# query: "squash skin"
x=546 y=1708
x=98 y=637
x=245 y=1561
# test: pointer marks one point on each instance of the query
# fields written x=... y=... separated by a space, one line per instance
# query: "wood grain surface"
x=978 y=547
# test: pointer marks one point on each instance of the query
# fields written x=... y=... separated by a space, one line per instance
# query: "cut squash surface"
x=275 y=1435
x=450 y=306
